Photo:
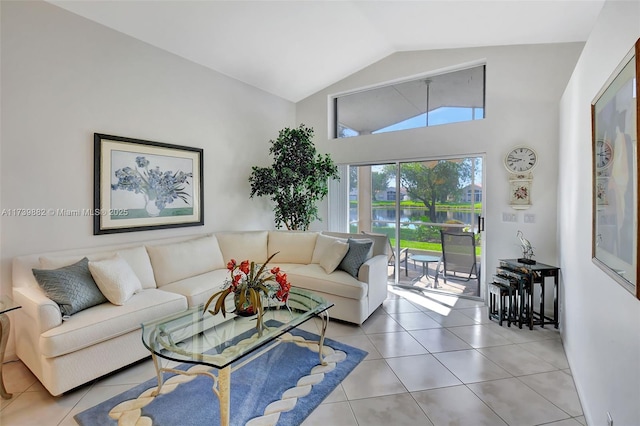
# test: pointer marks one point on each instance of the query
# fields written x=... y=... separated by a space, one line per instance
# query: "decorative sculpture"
x=527 y=250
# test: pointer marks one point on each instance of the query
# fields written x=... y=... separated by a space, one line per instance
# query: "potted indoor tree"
x=297 y=179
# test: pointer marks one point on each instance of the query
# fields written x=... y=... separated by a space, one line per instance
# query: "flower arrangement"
x=160 y=187
x=248 y=285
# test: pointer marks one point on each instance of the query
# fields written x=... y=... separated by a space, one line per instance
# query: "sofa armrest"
x=42 y=310
x=374 y=273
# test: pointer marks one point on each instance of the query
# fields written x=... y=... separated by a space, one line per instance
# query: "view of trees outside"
x=434 y=194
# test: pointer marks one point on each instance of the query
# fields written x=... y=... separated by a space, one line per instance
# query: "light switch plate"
x=509 y=217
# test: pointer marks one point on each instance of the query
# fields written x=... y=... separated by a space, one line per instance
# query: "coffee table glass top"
x=196 y=337
x=7 y=304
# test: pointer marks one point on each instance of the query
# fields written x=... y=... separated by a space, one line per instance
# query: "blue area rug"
x=254 y=386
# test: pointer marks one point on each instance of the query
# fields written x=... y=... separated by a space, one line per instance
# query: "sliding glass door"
x=412 y=202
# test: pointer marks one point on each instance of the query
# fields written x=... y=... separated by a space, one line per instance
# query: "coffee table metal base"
x=222 y=381
x=4 y=335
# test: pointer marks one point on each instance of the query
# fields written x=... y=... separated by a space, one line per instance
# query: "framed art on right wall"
x=614 y=147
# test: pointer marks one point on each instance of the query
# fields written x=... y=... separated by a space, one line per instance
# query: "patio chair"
x=459 y=257
x=403 y=258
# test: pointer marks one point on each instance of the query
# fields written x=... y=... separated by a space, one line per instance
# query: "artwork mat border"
x=103 y=146
x=605 y=260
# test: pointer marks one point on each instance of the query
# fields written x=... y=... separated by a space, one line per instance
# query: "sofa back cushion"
x=291 y=246
x=136 y=257
x=177 y=261
x=380 y=241
x=245 y=245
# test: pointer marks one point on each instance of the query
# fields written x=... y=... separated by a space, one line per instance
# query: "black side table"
x=535 y=274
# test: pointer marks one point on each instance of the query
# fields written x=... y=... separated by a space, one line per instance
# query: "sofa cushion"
x=356 y=255
x=138 y=259
x=333 y=255
x=72 y=287
x=200 y=288
x=313 y=277
x=291 y=246
x=106 y=321
x=177 y=261
x=249 y=245
x=115 y=279
x=322 y=243
x=55 y=262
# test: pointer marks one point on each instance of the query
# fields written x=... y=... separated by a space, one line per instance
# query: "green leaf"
x=211 y=299
x=297 y=179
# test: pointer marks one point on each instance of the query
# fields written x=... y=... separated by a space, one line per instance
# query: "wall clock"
x=603 y=154
x=520 y=159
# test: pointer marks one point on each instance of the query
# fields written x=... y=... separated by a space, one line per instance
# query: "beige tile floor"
x=433 y=360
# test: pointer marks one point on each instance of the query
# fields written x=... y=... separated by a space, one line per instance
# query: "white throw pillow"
x=333 y=255
x=322 y=243
x=115 y=279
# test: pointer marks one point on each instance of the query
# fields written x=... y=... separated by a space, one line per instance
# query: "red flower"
x=244 y=266
x=231 y=264
x=283 y=292
x=275 y=270
x=235 y=281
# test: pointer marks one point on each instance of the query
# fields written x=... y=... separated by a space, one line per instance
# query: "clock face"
x=604 y=154
x=520 y=159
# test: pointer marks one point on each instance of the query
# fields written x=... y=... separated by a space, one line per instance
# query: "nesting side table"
x=6 y=304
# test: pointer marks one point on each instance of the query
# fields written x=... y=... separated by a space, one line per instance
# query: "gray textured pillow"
x=71 y=287
x=356 y=256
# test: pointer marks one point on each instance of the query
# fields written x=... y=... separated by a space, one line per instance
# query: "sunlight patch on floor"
x=440 y=303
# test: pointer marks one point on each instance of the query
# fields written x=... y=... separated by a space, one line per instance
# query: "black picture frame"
x=142 y=185
x=615 y=120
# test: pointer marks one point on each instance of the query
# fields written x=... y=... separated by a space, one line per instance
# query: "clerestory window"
x=427 y=101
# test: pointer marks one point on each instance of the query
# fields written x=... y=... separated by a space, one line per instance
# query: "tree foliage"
x=297 y=179
x=432 y=181
x=379 y=181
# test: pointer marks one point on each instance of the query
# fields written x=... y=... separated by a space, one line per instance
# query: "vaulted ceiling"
x=296 y=48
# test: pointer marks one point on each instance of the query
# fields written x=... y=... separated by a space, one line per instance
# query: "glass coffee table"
x=227 y=344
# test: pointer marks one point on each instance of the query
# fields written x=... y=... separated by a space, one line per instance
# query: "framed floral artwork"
x=520 y=192
x=141 y=185
x=614 y=149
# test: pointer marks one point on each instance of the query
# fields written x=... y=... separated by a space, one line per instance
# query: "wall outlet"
x=609 y=419
x=509 y=217
x=529 y=218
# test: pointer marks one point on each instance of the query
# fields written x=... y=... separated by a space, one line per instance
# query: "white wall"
x=65 y=77
x=602 y=320
x=523 y=87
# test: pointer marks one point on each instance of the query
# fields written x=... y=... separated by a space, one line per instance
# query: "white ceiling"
x=296 y=48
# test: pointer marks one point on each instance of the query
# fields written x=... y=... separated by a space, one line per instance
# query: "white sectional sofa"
x=67 y=351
